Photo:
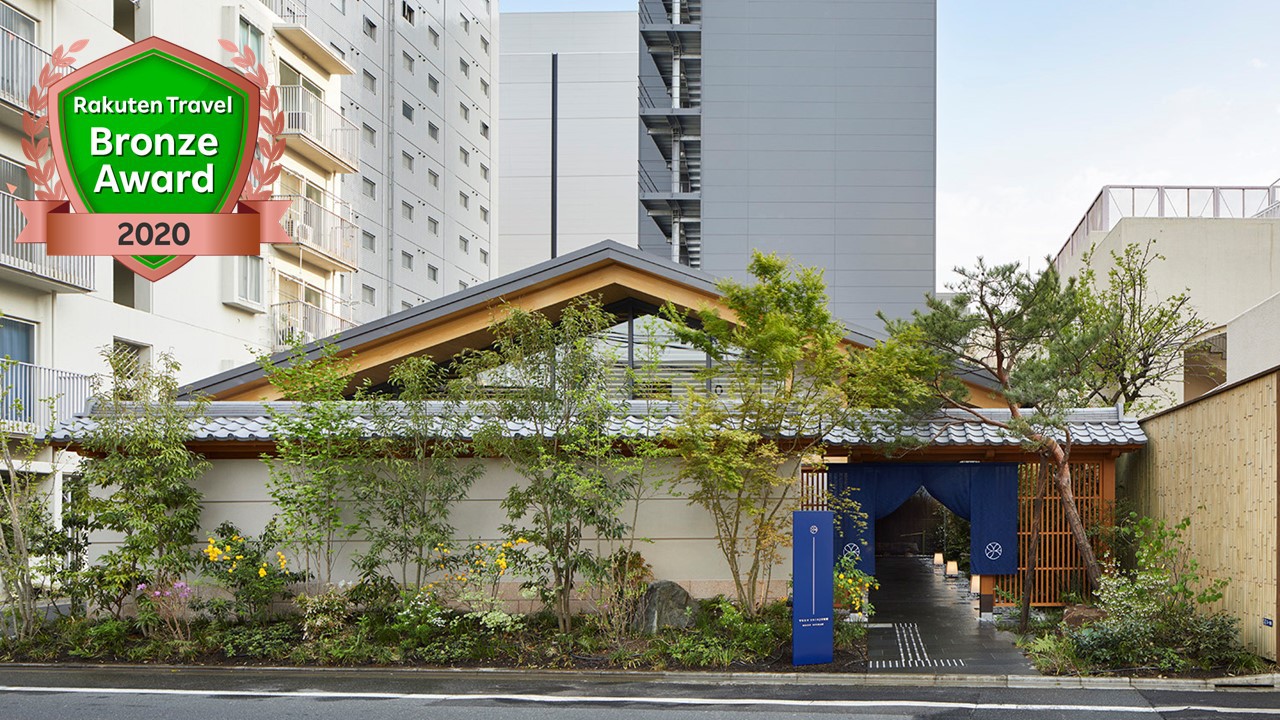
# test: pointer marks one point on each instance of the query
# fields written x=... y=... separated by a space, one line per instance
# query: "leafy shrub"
x=722 y=635
x=260 y=642
x=1053 y=654
x=850 y=635
x=324 y=615
x=852 y=585
x=103 y=639
x=253 y=571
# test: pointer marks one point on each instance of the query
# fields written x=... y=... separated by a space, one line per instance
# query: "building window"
x=484 y=87
x=246 y=282
x=338 y=51
x=464 y=156
x=484 y=213
x=406 y=211
x=407 y=12
x=406 y=160
x=484 y=256
x=463 y=200
x=433 y=225
x=484 y=130
x=433 y=84
x=369 y=188
x=369 y=82
x=484 y=171
x=341 y=5
x=407 y=111
x=406 y=305
x=370 y=28
x=128 y=289
x=484 y=44
x=464 y=111
x=433 y=273
x=368 y=295
x=249 y=35
x=369 y=134
x=368 y=241
x=462 y=285
x=17 y=341
x=406 y=260
x=433 y=131
x=407 y=61
x=435 y=36
x=464 y=67
x=464 y=244
x=433 y=177
x=466 y=24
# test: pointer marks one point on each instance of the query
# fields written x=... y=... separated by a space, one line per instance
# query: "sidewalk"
x=925 y=624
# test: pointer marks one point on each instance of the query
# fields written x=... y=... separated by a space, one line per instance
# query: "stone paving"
x=925 y=623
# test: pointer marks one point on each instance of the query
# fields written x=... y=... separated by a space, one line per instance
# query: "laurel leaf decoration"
x=36 y=146
x=265 y=169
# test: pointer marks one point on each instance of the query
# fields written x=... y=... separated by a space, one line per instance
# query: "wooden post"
x=987 y=594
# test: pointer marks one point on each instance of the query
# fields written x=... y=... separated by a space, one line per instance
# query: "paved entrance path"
x=923 y=623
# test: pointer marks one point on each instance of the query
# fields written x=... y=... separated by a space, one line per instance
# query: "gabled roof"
x=442 y=328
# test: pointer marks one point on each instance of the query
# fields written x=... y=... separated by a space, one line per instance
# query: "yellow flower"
x=507 y=545
x=262 y=572
x=521 y=541
x=239 y=557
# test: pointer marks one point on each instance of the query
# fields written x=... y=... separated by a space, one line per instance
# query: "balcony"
x=27 y=264
x=20 y=65
x=299 y=321
x=292 y=28
x=319 y=133
x=324 y=237
x=34 y=397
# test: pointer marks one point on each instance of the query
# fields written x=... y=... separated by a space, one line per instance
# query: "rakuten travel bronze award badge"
x=153 y=157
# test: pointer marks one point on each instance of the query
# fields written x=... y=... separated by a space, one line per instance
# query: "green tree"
x=1149 y=338
x=420 y=473
x=139 y=474
x=321 y=457
x=779 y=358
x=1031 y=335
x=546 y=389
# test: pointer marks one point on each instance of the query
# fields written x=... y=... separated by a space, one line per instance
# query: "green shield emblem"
x=154 y=128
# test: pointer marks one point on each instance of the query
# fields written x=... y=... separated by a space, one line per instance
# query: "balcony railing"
x=291 y=11
x=298 y=321
x=307 y=116
x=1117 y=202
x=30 y=258
x=20 y=64
x=315 y=226
x=34 y=397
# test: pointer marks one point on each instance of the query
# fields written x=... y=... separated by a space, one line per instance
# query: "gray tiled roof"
x=240 y=421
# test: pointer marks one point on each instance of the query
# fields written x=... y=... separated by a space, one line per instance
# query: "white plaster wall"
x=1253 y=340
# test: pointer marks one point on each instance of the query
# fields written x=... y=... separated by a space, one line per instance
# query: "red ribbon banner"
x=69 y=233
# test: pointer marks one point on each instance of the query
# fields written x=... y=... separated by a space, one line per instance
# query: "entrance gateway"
x=985 y=494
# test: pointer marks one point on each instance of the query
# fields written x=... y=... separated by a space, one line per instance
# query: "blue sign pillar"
x=813 y=589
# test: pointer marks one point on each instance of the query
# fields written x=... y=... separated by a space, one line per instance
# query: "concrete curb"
x=1268 y=681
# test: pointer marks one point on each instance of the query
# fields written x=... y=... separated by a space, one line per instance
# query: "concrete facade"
x=1253 y=345
x=597 y=153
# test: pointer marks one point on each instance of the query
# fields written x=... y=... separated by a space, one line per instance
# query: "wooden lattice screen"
x=1059 y=570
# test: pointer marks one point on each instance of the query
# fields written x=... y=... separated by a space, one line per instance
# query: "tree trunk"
x=1037 y=513
x=1092 y=570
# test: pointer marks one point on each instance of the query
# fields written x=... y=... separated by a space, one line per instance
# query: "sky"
x=1042 y=103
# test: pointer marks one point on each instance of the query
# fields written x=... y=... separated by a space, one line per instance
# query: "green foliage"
x=325 y=614
x=274 y=641
x=251 y=570
x=782 y=364
x=852 y=586
x=1156 y=613
x=1150 y=335
x=850 y=636
x=723 y=634
x=139 y=475
x=1053 y=654
x=420 y=474
x=552 y=380
x=320 y=456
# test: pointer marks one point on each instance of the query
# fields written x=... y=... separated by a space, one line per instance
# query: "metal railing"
x=306 y=114
x=1117 y=202
x=33 y=397
x=297 y=320
x=73 y=270
x=20 y=65
x=291 y=11
x=647 y=183
x=312 y=224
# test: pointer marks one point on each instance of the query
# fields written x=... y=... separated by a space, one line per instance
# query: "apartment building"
x=388 y=181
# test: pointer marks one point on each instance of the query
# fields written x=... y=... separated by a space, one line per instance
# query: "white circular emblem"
x=994 y=550
x=813 y=529
x=852 y=549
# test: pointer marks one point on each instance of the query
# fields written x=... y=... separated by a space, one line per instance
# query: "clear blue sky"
x=1041 y=103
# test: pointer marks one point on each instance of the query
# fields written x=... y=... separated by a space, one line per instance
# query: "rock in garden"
x=665 y=604
x=1077 y=615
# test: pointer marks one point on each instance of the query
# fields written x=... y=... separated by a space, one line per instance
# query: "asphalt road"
x=253 y=694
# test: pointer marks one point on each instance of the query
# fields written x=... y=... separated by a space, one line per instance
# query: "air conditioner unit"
x=301 y=121
x=302 y=233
